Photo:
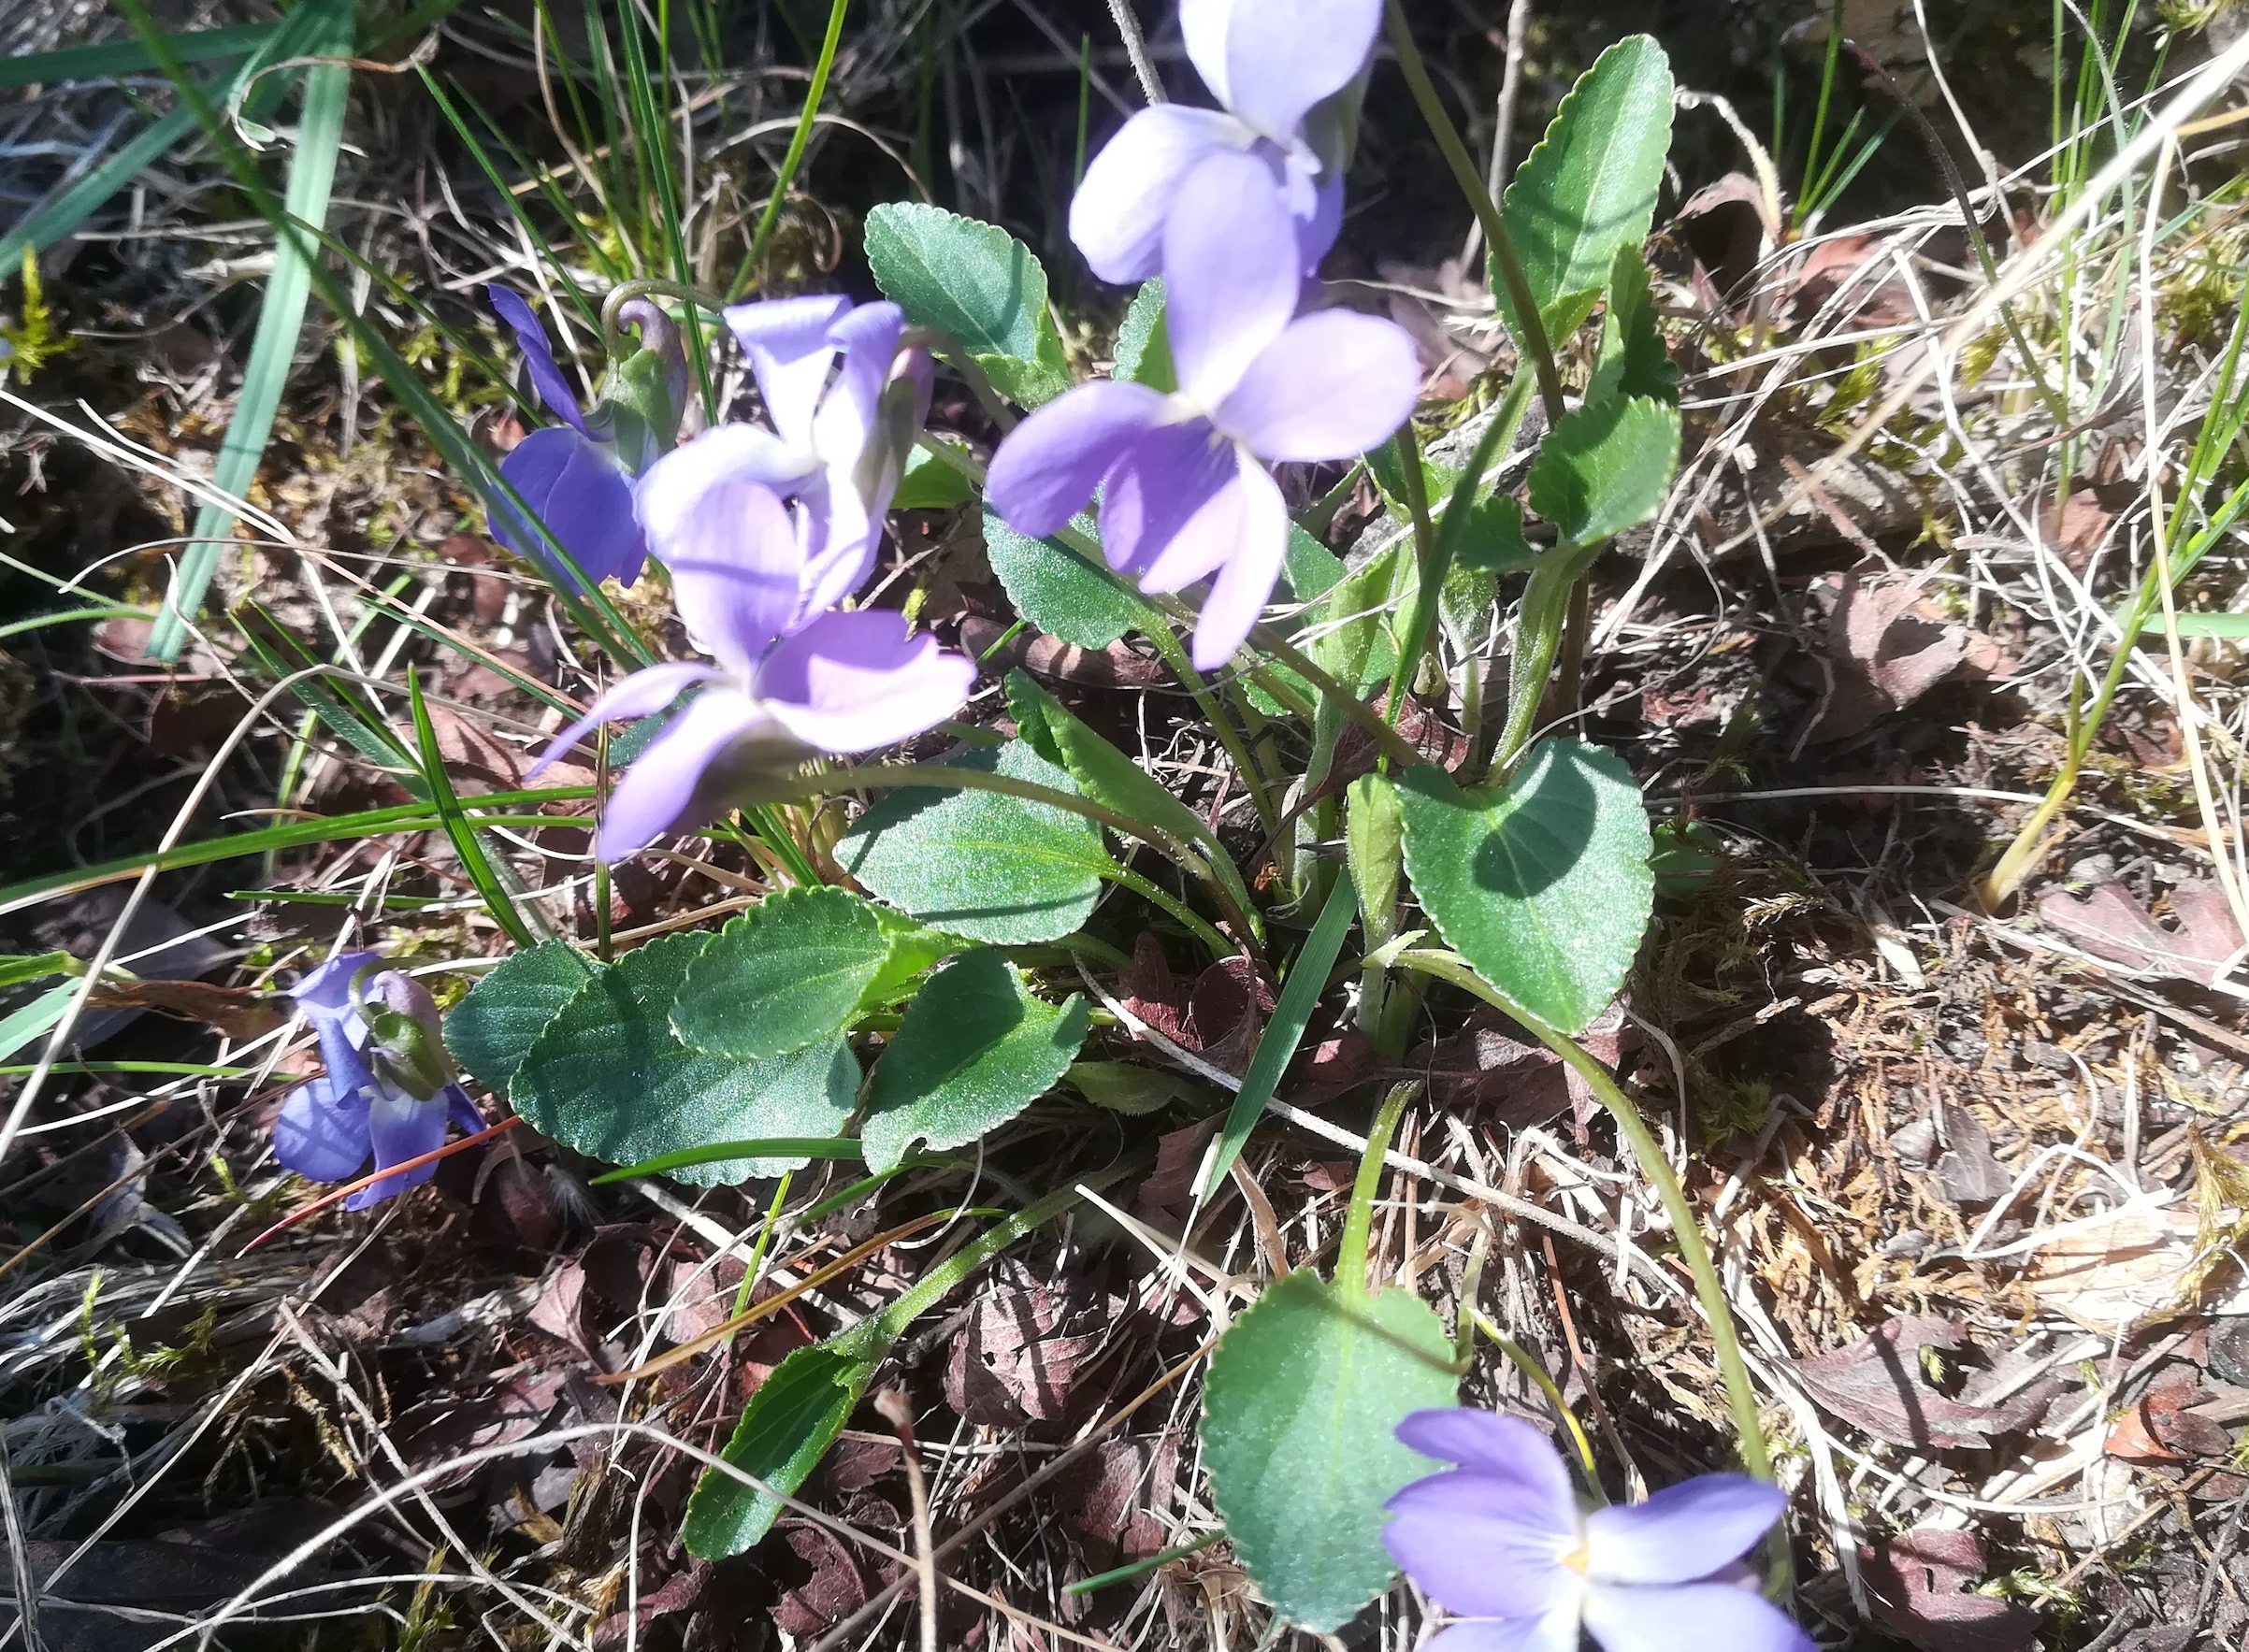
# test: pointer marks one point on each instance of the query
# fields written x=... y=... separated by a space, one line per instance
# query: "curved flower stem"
x=1237 y=746
x=937 y=776
x=947 y=348
x=795 y=155
x=1125 y=878
x=1533 y=340
x=612 y=330
x=1350 y=1254
x=1708 y=1289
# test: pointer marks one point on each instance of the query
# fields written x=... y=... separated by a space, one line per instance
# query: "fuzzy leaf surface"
x=1606 y=468
x=978 y=283
x=976 y=1047
x=788 y=971
x=1303 y=1392
x=492 y=1029
x=785 y=1429
x=1053 y=588
x=1543 y=885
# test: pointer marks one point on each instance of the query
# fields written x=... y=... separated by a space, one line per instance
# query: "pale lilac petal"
x=840 y=542
x=320 y=1135
x=1270 y=62
x=868 y=336
x=899 y=414
x=787 y=343
x=400 y=1129
x=1478 y=1547
x=1683 y=1532
x=1556 y=1632
x=1200 y=545
x=1116 y=217
x=1331 y=386
x=855 y=682
x=1704 y=1614
x=579 y=487
x=553 y=387
x=1231 y=274
x=660 y=790
x=1244 y=583
x=1317 y=230
x=641 y=694
x=1050 y=463
x=714 y=517
x=1158 y=488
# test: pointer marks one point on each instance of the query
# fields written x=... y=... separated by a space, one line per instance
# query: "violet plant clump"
x=764 y=531
x=1186 y=492
x=1503 y=1541
x=388 y=1090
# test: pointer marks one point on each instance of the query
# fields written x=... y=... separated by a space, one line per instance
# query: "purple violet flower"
x=1185 y=491
x=1502 y=1541
x=574 y=480
x=1270 y=62
x=388 y=1089
x=764 y=531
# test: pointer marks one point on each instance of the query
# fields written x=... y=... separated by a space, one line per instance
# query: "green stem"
x=1351 y=1254
x=798 y=139
x=890 y=1324
x=1708 y=1289
x=1102 y=1580
x=1531 y=324
x=1125 y=878
x=1530 y=1365
x=1221 y=724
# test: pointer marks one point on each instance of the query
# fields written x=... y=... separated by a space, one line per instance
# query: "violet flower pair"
x=1231 y=209
x=388 y=1090
x=1502 y=1542
x=764 y=532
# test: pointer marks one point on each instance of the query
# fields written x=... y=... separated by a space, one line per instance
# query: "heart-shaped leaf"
x=787 y=1427
x=1054 y=588
x=1542 y=885
x=1606 y=468
x=492 y=1029
x=788 y=971
x=608 y=1078
x=976 y=282
x=978 y=864
x=1590 y=186
x=975 y=1048
x=1304 y=1391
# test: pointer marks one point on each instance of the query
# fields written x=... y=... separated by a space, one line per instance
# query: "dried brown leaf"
x=2110 y=923
x=1921 y=1586
x=1880 y=1383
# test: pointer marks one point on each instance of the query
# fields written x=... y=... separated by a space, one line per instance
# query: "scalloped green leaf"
x=1590 y=186
x=787 y=972
x=1303 y=1392
x=790 y=1423
x=978 y=283
x=608 y=1077
x=1606 y=468
x=976 y=1047
x=1543 y=885
x=492 y=1029
x=977 y=864
x=1634 y=359
x=1054 y=588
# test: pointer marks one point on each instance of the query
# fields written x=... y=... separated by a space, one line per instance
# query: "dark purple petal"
x=1557 y=1632
x=462 y=1111
x=325 y=995
x=320 y=1135
x=1505 y=1446
x=1331 y=386
x=1157 y=489
x=1116 y=216
x=401 y=1128
x=659 y=792
x=579 y=488
x=1050 y=463
x=1270 y=61
x=868 y=336
x=1478 y=1548
x=641 y=695
x=855 y=682
x=327 y=987
x=1231 y=274
x=787 y=343
x=531 y=338
x=1699 y=1615
x=1244 y=583
x=736 y=563
x=1683 y=1532
x=1316 y=231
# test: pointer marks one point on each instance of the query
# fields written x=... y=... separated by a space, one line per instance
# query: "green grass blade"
x=106 y=612
x=499 y=899
x=128 y=57
x=1291 y=1013
x=280 y=319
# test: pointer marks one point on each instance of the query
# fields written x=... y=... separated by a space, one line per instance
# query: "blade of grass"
x=1291 y=1013
x=745 y=277
x=129 y=57
x=497 y=898
x=652 y=139
x=281 y=319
